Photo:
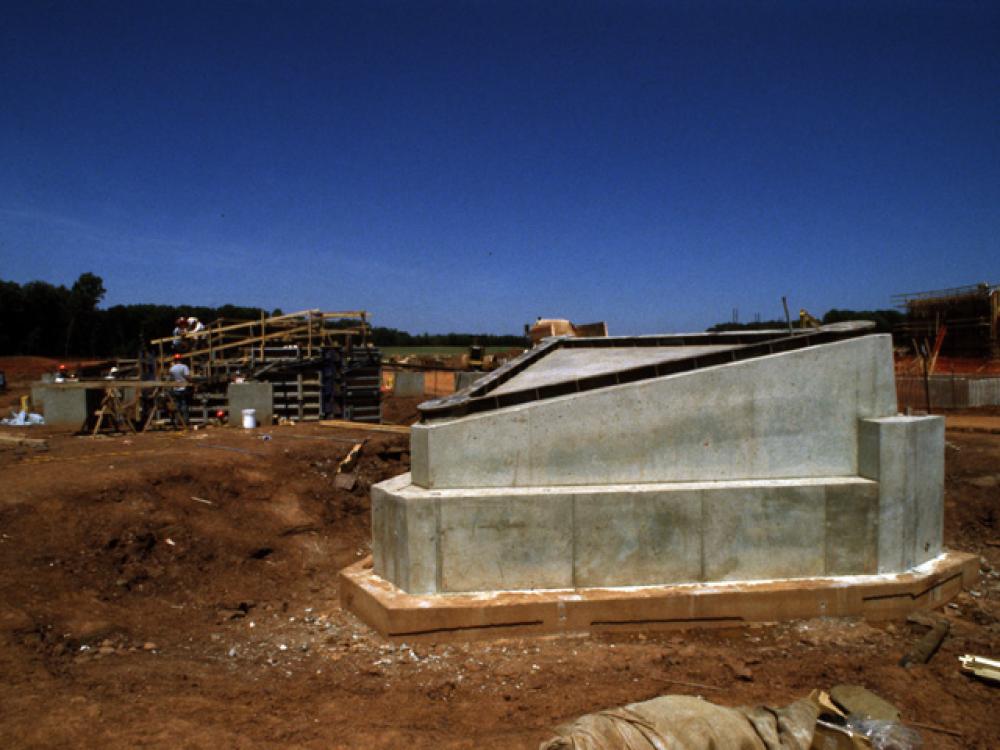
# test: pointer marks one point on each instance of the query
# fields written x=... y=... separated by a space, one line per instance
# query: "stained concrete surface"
x=66 y=407
x=906 y=456
x=782 y=466
x=408 y=384
x=447 y=541
x=793 y=414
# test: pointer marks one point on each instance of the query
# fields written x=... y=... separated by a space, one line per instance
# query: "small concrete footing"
x=397 y=614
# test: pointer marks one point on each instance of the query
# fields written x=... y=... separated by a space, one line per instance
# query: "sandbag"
x=681 y=722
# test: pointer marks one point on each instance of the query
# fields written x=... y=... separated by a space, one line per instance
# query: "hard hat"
x=177 y=356
x=180 y=321
x=192 y=321
x=62 y=367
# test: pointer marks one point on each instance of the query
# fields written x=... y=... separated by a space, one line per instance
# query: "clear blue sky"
x=472 y=165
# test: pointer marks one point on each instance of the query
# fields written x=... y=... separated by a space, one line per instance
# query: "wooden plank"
x=29 y=442
x=304 y=315
x=397 y=429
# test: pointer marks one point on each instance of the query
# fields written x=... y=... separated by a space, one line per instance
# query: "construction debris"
x=347 y=470
x=925 y=648
x=691 y=723
x=980 y=666
x=858 y=700
x=397 y=429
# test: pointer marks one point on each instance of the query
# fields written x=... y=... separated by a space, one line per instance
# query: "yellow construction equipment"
x=808 y=321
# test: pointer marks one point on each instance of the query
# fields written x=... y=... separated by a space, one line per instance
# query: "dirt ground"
x=180 y=590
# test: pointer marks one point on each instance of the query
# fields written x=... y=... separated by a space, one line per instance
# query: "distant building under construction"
x=965 y=319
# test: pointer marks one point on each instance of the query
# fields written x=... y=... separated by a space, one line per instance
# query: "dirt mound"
x=168 y=590
x=27 y=368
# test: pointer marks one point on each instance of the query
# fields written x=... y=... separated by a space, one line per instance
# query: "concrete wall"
x=906 y=456
x=793 y=414
x=408 y=384
x=257 y=396
x=947 y=392
x=66 y=407
x=429 y=541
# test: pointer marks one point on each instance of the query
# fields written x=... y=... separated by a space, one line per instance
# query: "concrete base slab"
x=396 y=614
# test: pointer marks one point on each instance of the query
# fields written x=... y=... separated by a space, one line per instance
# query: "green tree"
x=87 y=292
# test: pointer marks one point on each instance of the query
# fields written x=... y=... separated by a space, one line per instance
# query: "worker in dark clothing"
x=180 y=374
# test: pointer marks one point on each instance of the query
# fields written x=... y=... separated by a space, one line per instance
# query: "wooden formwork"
x=320 y=364
x=224 y=347
x=399 y=615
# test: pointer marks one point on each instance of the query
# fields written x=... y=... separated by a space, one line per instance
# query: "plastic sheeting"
x=23 y=419
x=677 y=722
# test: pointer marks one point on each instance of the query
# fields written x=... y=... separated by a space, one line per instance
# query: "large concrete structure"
x=663 y=461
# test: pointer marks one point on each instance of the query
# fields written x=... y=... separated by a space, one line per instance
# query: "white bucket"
x=249 y=419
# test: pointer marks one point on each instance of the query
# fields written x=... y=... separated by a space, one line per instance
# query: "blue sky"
x=470 y=166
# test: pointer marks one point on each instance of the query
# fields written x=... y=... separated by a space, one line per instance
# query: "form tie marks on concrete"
x=664 y=481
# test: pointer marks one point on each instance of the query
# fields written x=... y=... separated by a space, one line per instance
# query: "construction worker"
x=180 y=331
x=180 y=374
x=194 y=325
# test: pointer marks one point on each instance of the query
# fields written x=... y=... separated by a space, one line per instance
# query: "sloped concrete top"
x=560 y=366
x=569 y=364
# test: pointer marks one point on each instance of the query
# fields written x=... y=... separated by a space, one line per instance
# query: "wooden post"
x=301 y=409
x=262 y=332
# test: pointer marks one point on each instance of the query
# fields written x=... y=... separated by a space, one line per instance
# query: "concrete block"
x=764 y=532
x=405 y=549
x=452 y=541
x=637 y=538
x=69 y=407
x=506 y=542
x=793 y=414
x=408 y=384
x=906 y=456
x=38 y=391
x=928 y=488
x=851 y=529
x=257 y=396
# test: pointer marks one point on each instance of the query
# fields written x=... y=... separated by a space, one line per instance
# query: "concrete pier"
x=666 y=462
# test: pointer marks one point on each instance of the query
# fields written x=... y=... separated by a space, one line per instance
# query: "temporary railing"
x=223 y=344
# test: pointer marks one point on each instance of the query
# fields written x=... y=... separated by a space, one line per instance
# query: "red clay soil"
x=402 y=410
x=180 y=590
x=22 y=371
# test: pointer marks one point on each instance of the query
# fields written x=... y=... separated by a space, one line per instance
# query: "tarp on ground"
x=676 y=722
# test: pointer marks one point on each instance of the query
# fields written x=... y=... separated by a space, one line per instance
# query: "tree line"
x=43 y=319
x=885 y=321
